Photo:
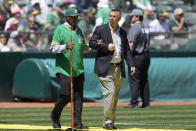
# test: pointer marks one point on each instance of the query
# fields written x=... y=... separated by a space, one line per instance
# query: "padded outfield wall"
x=172 y=75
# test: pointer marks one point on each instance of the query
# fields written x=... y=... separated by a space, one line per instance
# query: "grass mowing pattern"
x=156 y=117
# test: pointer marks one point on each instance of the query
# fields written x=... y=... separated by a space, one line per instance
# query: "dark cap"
x=71 y=12
x=136 y=12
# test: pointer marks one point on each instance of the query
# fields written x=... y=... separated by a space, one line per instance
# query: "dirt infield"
x=86 y=104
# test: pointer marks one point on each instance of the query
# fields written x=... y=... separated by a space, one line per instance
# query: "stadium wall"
x=172 y=75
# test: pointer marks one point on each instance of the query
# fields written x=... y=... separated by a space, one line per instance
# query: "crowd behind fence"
x=29 y=25
x=174 y=41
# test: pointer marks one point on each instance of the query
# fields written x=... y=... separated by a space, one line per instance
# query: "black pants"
x=139 y=81
x=65 y=97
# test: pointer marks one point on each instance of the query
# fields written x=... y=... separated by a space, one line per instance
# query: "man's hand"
x=132 y=70
x=111 y=47
x=70 y=45
x=100 y=42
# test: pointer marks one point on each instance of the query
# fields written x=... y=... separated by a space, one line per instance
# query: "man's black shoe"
x=55 y=123
x=80 y=126
x=110 y=126
x=132 y=106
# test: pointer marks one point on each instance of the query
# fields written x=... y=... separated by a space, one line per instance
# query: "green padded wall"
x=32 y=80
x=171 y=79
x=10 y=60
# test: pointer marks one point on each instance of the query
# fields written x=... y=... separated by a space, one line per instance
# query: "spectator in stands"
x=55 y=18
x=178 y=23
x=12 y=22
x=15 y=42
x=144 y=5
x=5 y=12
x=83 y=4
x=87 y=22
x=160 y=25
x=3 y=46
x=157 y=26
x=42 y=8
x=102 y=15
x=30 y=39
x=127 y=23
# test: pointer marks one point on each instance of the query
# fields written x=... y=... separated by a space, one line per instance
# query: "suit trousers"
x=65 y=98
x=139 y=81
x=111 y=83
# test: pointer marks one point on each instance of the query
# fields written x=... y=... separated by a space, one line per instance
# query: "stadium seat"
x=164 y=7
x=178 y=2
x=190 y=18
x=160 y=3
x=191 y=44
x=186 y=8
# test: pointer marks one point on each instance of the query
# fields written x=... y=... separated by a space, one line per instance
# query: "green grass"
x=156 y=117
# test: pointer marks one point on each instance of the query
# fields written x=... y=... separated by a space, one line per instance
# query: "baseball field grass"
x=156 y=117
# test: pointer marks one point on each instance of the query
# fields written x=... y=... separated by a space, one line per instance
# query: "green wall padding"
x=32 y=80
x=171 y=79
x=10 y=60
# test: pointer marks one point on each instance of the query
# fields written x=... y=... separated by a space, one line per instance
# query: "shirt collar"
x=117 y=30
x=68 y=25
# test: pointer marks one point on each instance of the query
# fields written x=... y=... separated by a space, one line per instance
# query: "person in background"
x=41 y=7
x=61 y=46
x=178 y=23
x=144 y=5
x=103 y=11
x=3 y=46
x=139 y=43
x=15 y=43
x=16 y=19
x=112 y=47
x=82 y=5
x=87 y=22
x=160 y=31
x=5 y=12
x=127 y=23
x=160 y=25
x=31 y=40
x=55 y=17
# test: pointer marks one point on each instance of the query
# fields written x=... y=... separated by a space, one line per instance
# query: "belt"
x=115 y=64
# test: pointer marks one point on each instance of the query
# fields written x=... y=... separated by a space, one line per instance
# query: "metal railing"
x=174 y=41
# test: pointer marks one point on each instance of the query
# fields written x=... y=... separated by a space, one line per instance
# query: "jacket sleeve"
x=128 y=53
x=93 y=42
